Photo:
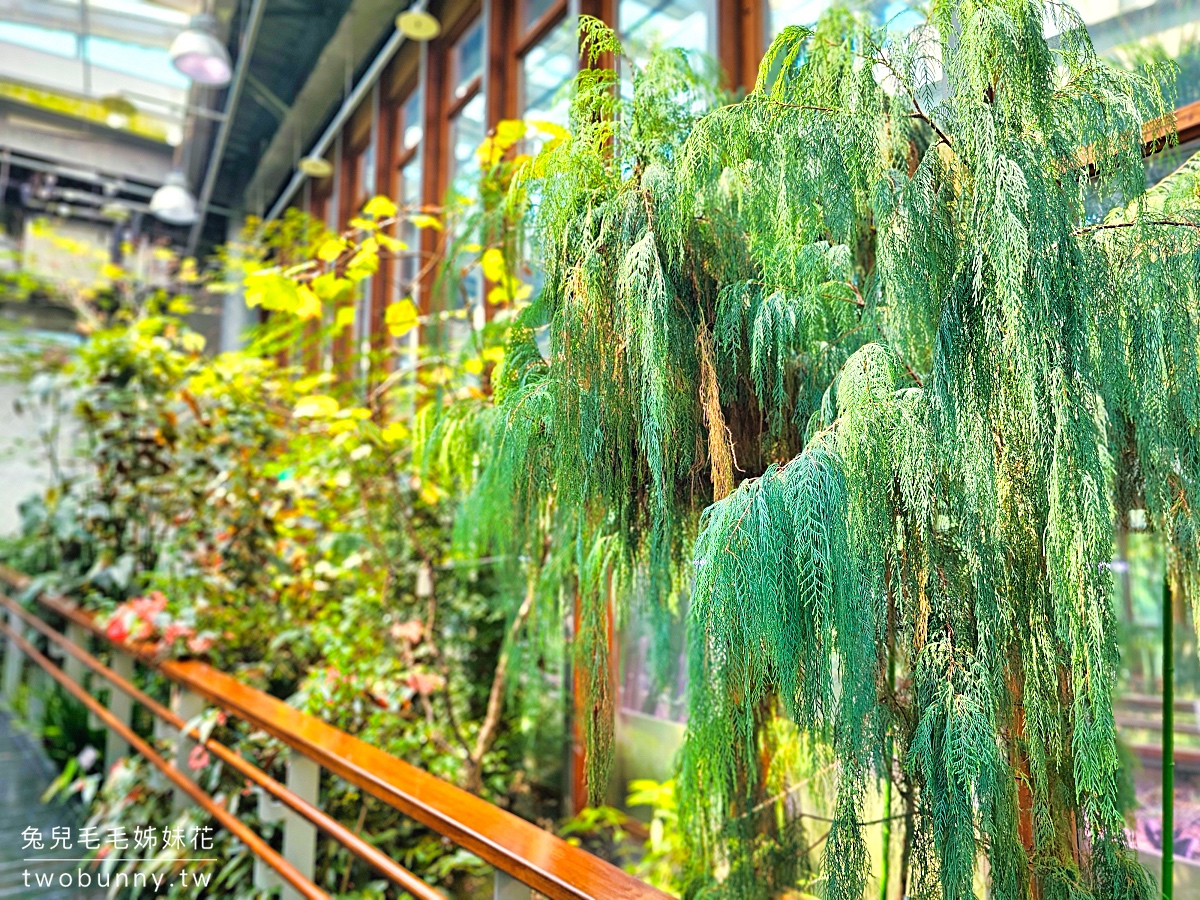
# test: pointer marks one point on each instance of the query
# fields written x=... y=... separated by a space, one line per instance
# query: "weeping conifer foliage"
x=850 y=371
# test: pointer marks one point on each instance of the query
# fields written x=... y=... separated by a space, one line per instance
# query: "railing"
x=525 y=858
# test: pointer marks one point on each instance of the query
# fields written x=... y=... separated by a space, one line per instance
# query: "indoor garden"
x=859 y=409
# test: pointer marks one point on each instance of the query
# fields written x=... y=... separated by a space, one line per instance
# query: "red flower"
x=117 y=629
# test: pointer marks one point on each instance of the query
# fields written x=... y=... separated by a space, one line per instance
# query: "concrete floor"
x=23 y=470
x=25 y=774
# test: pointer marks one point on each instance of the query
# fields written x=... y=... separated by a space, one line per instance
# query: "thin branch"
x=920 y=114
x=1169 y=223
x=491 y=721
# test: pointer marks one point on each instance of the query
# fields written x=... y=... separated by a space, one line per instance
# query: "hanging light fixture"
x=173 y=203
x=115 y=211
x=118 y=110
x=315 y=167
x=200 y=55
x=418 y=25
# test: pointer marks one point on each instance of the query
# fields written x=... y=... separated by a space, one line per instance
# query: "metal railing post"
x=39 y=685
x=505 y=887
x=187 y=705
x=75 y=669
x=120 y=705
x=299 y=834
x=13 y=662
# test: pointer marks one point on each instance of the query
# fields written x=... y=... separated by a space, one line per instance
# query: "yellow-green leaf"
x=365 y=262
x=551 y=128
x=390 y=244
x=192 y=341
x=395 y=432
x=344 y=317
x=330 y=287
x=309 y=306
x=318 y=406
x=331 y=250
x=424 y=220
x=271 y=291
x=380 y=207
x=493 y=265
x=400 y=317
x=308 y=383
x=497 y=295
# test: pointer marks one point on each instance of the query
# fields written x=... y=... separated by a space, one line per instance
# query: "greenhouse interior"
x=600 y=449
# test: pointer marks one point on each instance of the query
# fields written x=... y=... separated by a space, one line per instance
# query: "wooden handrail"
x=1187 y=127
x=384 y=864
x=228 y=821
x=537 y=858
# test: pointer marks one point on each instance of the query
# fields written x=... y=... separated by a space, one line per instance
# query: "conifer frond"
x=943 y=373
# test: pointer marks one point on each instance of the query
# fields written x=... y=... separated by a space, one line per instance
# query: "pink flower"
x=410 y=631
x=141 y=630
x=147 y=608
x=199 y=644
x=424 y=682
x=198 y=758
x=174 y=631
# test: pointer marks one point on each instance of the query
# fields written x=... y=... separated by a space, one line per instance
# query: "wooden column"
x=741 y=40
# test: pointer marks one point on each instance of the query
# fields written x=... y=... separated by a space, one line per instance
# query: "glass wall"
x=782 y=13
x=468 y=109
x=407 y=189
x=688 y=24
x=546 y=73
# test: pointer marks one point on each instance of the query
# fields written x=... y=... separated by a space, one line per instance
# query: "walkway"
x=24 y=775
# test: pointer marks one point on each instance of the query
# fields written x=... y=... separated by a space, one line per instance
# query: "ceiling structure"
x=87 y=89
x=291 y=39
x=102 y=61
x=93 y=114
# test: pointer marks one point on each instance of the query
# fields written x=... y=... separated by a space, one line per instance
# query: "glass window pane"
x=646 y=24
x=467 y=59
x=467 y=131
x=782 y=13
x=409 y=122
x=546 y=73
x=1133 y=34
x=535 y=9
x=408 y=196
x=365 y=177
